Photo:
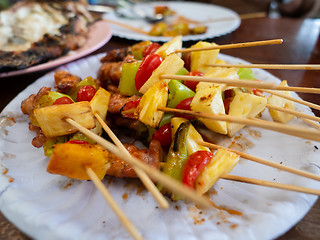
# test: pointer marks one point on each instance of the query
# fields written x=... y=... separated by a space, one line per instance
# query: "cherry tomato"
x=226 y=103
x=150 y=49
x=148 y=65
x=185 y=105
x=128 y=109
x=62 y=100
x=163 y=135
x=86 y=93
x=78 y=142
x=192 y=84
x=194 y=165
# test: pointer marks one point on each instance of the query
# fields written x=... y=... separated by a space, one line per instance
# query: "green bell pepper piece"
x=48 y=146
x=127 y=84
x=177 y=156
x=246 y=73
x=48 y=99
x=166 y=119
x=178 y=92
x=138 y=48
x=182 y=71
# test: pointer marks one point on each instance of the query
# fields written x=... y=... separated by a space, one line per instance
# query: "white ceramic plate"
x=45 y=207
x=192 y=10
x=100 y=34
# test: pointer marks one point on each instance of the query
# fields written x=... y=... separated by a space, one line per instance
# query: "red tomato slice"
x=163 y=135
x=192 y=84
x=128 y=109
x=194 y=165
x=86 y=93
x=62 y=100
x=184 y=105
x=148 y=65
x=150 y=49
x=78 y=142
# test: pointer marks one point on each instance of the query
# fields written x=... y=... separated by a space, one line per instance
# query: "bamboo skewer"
x=234 y=45
x=141 y=174
x=155 y=174
x=264 y=161
x=306 y=103
x=271 y=66
x=115 y=207
x=127 y=26
x=295 y=113
x=241 y=83
x=271 y=184
x=311 y=123
x=297 y=131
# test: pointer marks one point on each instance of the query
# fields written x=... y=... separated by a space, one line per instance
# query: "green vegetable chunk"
x=177 y=156
x=127 y=84
x=48 y=146
x=246 y=73
x=178 y=92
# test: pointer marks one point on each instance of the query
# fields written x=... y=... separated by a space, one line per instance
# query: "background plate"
x=99 y=34
x=49 y=206
x=192 y=10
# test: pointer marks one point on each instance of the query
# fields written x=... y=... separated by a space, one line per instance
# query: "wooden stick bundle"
x=241 y=83
x=234 y=45
x=297 y=131
x=264 y=161
x=271 y=66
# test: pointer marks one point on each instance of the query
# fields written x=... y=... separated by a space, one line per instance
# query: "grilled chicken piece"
x=65 y=81
x=119 y=168
x=117 y=101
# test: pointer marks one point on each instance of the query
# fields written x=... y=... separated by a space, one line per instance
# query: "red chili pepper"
x=62 y=100
x=128 y=109
x=257 y=92
x=194 y=165
x=148 y=65
x=150 y=49
x=184 y=105
x=226 y=103
x=163 y=134
x=192 y=84
x=78 y=142
x=86 y=93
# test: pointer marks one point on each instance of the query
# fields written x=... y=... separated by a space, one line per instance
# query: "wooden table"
x=299 y=36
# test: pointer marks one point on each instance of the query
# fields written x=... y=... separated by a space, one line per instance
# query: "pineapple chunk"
x=222 y=162
x=218 y=72
x=193 y=136
x=170 y=65
x=281 y=102
x=147 y=110
x=51 y=118
x=209 y=100
x=244 y=105
x=99 y=104
x=71 y=160
x=170 y=47
x=201 y=58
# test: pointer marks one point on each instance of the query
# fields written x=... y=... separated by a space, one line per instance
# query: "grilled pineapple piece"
x=193 y=136
x=99 y=104
x=201 y=58
x=170 y=65
x=209 y=100
x=218 y=72
x=51 y=118
x=170 y=47
x=222 y=162
x=244 y=105
x=156 y=96
x=281 y=102
x=71 y=160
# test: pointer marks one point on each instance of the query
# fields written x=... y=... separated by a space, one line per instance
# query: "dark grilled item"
x=153 y=156
x=116 y=55
x=65 y=81
x=117 y=101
